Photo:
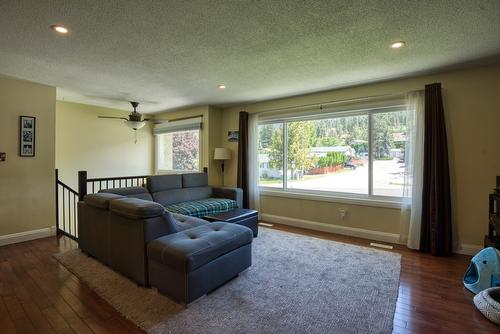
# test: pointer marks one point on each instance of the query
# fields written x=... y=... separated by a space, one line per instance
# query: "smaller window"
x=178 y=146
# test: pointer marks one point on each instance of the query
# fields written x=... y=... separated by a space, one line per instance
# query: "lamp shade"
x=222 y=153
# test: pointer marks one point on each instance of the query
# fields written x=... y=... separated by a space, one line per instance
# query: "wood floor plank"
x=6 y=324
x=90 y=299
x=57 y=321
x=40 y=322
x=54 y=288
x=20 y=319
x=70 y=317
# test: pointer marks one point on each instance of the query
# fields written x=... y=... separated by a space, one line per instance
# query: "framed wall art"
x=27 y=126
x=233 y=136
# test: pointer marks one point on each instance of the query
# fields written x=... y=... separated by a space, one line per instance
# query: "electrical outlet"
x=342 y=213
x=3 y=156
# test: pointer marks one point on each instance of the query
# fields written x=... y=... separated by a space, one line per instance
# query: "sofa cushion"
x=229 y=192
x=193 y=248
x=132 y=192
x=184 y=222
x=134 y=208
x=194 y=180
x=204 y=207
x=173 y=196
x=163 y=182
x=100 y=200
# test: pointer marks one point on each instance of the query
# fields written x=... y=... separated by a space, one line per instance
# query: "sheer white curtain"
x=253 y=161
x=411 y=210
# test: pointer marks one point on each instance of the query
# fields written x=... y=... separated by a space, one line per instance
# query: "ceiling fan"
x=134 y=120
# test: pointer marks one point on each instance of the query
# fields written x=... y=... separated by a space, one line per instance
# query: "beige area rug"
x=297 y=284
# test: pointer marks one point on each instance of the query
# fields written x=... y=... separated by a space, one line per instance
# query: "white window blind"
x=175 y=126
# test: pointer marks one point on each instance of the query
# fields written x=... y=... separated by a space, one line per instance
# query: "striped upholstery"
x=203 y=207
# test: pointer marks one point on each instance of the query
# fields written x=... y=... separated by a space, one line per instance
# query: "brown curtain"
x=436 y=234
x=243 y=157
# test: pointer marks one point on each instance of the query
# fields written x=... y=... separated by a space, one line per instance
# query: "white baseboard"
x=344 y=230
x=465 y=249
x=27 y=235
x=468 y=249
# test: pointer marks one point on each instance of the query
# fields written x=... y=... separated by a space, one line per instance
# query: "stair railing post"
x=57 y=200
x=82 y=184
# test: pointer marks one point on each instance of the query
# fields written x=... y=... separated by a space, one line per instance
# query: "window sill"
x=365 y=201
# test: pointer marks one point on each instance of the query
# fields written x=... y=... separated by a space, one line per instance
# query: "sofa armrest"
x=134 y=208
x=132 y=225
x=231 y=193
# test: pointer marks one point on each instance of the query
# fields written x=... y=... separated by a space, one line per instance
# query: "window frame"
x=334 y=196
x=179 y=171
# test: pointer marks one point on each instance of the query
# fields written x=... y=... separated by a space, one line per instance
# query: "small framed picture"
x=27 y=126
x=233 y=135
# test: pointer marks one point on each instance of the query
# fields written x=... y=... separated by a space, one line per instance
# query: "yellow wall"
x=210 y=135
x=214 y=140
x=472 y=108
x=358 y=216
x=27 y=199
x=102 y=147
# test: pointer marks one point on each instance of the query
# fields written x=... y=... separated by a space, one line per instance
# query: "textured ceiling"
x=170 y=54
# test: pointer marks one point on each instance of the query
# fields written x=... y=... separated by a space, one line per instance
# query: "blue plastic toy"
x=483 y=271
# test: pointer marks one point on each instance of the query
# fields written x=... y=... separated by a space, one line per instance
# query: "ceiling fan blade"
x=113 y=117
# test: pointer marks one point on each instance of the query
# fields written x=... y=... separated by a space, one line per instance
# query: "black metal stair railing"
x=67 y=198
x=93 y=185
x=66 y=209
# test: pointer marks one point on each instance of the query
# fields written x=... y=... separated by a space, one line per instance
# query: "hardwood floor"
x=38 y=295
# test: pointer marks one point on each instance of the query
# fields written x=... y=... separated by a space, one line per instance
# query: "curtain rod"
x=340 y=101
x=332 y=102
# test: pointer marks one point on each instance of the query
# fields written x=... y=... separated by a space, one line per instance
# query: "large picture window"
x=359 y=153
x=178 y=146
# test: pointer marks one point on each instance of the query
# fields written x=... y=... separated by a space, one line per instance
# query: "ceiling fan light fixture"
x=135 y=125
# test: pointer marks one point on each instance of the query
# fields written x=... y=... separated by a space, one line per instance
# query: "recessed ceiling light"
x=59 y=29
x=221 y=86
x=397 y=45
